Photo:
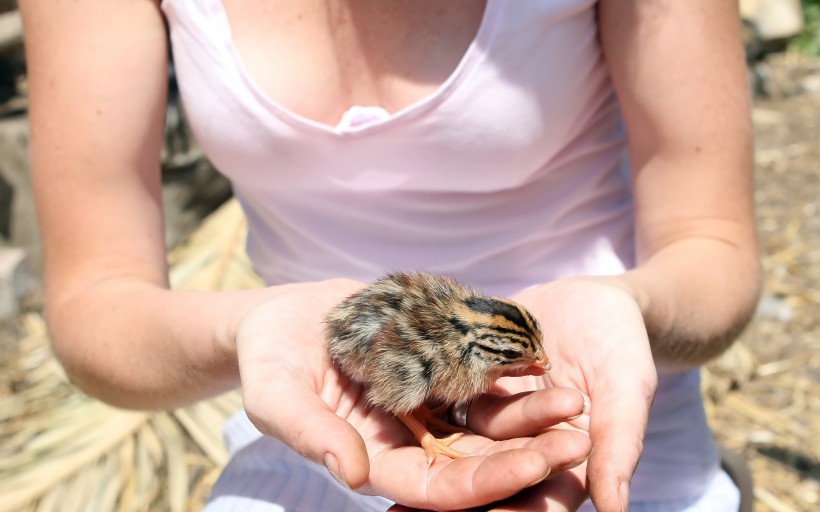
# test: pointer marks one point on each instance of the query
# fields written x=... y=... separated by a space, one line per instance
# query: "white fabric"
x=720 y=495
x=512 y=173
x=265 y=475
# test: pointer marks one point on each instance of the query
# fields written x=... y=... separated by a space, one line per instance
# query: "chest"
x=320 y=57
x=507 y=99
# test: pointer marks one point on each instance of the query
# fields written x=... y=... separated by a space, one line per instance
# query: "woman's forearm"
x=690 y=141
x=137 y=345
x=696 y=296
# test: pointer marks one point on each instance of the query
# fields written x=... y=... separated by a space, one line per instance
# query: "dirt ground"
x=765 y=394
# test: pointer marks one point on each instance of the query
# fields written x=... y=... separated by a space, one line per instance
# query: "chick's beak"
x=539 y=366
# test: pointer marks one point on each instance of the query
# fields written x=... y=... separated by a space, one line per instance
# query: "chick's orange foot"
x=430 y=443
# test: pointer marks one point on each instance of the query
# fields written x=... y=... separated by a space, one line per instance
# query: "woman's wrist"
x=654 y=304
x=140 y=345
x=693 y=310
x=289 y=298
x=657 y=313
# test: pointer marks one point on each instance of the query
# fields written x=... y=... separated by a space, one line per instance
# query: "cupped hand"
x=293 y=392
x=596 y=339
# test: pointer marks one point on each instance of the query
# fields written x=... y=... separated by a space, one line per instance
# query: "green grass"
x=808 y=42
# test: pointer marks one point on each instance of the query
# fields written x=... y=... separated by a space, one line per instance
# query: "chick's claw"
x=430 y=443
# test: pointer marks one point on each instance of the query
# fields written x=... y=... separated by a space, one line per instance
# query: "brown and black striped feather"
x=414 y=336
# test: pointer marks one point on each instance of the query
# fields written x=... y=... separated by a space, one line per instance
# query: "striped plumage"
x=410 y=337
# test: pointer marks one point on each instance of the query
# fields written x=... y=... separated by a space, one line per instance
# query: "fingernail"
x=332 y=465
x=574 y=463
x=583 y=411
x=623 y=493
x=541 y=478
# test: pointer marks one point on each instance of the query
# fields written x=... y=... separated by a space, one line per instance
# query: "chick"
x=414 y=337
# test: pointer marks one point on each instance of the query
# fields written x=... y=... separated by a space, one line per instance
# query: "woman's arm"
x=680 y=74
x=98 y=75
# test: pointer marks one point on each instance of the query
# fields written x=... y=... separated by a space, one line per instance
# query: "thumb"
x=618 y=418
x=298 y=417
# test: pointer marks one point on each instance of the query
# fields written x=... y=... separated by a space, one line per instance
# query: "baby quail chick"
x=410 y=337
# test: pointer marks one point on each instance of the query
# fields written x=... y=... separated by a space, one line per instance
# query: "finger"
x=619 y=414
x=404 y=476
x=475 y=481
x=563 y=493
x=523 y=414
x=302 y=420
x=402 y=508
x=562 y=449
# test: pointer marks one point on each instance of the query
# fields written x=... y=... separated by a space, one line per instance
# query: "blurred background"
x=60 y=450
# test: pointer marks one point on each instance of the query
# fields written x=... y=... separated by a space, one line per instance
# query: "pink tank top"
x=510 y=174
x=513 y=173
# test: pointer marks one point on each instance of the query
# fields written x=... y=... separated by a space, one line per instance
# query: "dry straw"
x=62 y=451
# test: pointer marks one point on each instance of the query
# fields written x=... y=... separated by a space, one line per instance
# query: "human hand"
x=293 y=392
x=513 y=412
x=596 y=340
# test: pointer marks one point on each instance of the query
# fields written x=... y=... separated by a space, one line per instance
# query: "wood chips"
x=763 y=396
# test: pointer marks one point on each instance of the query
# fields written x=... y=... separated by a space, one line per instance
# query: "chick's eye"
x=511 y=354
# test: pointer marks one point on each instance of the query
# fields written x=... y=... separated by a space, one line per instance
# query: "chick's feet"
x=433 y=419
x=430 y=443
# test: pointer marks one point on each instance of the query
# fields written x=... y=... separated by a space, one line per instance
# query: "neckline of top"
x=472 y=56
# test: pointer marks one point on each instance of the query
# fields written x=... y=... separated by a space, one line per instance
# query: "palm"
x=293 y=392
x=392 y=450
x=595 y=337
